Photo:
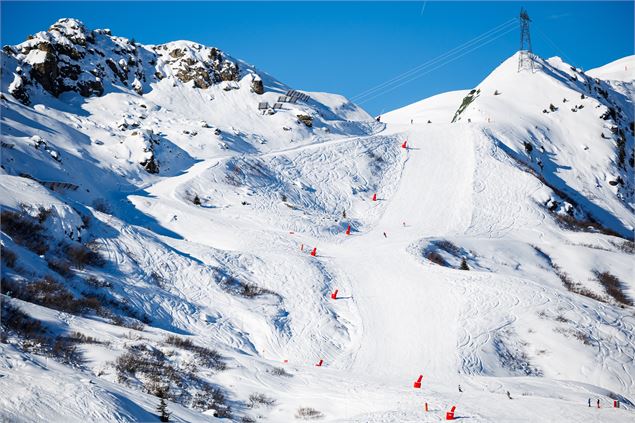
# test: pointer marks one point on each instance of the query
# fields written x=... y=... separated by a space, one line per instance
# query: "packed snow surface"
x=205 y=210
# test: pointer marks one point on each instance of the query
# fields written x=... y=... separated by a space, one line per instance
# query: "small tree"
x=197 y=200
x=464 y=264
x=163 y=406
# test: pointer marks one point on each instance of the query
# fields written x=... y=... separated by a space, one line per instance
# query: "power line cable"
x=449 y=53
x=449 y=60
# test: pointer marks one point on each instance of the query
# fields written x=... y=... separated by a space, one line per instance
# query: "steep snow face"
x=436 y=109
x=573 y=130
x=619 y=70
x=174 y=207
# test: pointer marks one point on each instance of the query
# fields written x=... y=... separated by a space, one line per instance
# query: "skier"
x=589 y=402
x=598 y=403
x=404 y=224
x=385 y=236
x=509 y=395
x=411 y=121
x=460 y=390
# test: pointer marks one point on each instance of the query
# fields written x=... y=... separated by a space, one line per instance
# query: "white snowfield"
x=271 y=189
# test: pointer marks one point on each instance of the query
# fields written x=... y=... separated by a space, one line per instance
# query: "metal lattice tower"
x=526 y=56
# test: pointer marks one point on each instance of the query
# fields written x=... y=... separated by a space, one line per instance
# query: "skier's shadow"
x=350 y=297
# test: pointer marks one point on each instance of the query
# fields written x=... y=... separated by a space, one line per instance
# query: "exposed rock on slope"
x=70 y=57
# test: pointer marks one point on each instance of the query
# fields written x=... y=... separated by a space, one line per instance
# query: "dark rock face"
x=257 y=86
x=46 y=72
x=306 y=119
x=69 y=57
x=19 y=91
x=123 y=76
x=90 y=88
x=150 y=165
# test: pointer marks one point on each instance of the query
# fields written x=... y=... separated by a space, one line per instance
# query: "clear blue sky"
x=350 y=47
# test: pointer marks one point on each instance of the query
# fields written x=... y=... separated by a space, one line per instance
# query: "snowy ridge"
x=497 y=255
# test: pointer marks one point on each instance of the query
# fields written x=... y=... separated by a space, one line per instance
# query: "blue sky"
x=349 y=47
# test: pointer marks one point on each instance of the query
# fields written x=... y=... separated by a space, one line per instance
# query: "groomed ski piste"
x=528 y=333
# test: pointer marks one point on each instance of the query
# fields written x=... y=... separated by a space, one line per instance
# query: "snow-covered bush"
x=259 y=399
x=308 y=413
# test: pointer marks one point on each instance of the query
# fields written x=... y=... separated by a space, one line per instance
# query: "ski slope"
x=215 y=246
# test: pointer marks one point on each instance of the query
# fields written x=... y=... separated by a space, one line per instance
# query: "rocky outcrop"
x=203 y=66
x=306 y=119
x=257 y=86
x=18 y=89
x=69 y=57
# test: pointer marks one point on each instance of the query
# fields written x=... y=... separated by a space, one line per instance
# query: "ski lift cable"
x=382 y=92
x=450 y=52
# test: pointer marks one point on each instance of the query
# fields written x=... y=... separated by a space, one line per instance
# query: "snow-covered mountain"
x=159 y=215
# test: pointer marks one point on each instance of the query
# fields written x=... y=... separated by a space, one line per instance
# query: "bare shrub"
x=24 y=230
x=613 y=287
x=61 y=267
x=65 y=350
x=582 y=336
x=244 y=289
x=206 y=356
x=436 y=258
x=250 y=290
x=80 y=338
x=80 y=256
x=627 y=246
x=98 y=283
x=566 y=280
x=446 y=245
x=210 y=397
x=581 y=225
x=102 y=206
x=279 y=371
x=308 y=413
x=16 y=320
x=48 y=293
x=152 y=368
x=8 y=257
x=513 y=357
x=35 y=338
x=560 y=318
x=258 y=399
